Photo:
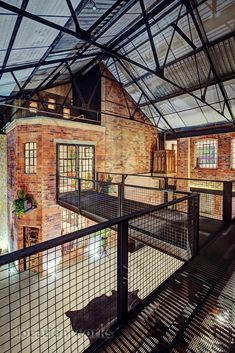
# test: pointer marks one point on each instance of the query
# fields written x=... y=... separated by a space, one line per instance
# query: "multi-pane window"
x=30 y=157
x=206 y=154
x=66 y=113
x=33 y=107
x=75 y=161
x=51 y=103
x=233 y=153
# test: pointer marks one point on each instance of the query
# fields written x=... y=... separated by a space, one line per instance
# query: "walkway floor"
x=101 y=207
x=195 y=312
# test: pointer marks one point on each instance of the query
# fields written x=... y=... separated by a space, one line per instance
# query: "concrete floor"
x=28 y=302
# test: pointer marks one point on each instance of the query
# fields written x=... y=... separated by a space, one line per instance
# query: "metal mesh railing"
x=107 y=200
x=217 y=201
x=59 y=295
x=63 y=294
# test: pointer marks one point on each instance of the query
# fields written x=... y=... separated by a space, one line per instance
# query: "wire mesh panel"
x=211 y=197
x=102 y=201
x=68 y=190
x=64 y=301
x=137 y=198
x=145 y=180
x=165 y=236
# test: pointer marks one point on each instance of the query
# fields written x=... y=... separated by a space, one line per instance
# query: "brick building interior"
x=117 y=155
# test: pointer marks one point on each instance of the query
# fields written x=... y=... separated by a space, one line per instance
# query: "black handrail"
x=18 y=254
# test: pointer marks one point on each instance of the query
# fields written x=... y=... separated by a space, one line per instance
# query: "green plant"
x=19 y=204
x=107 y=185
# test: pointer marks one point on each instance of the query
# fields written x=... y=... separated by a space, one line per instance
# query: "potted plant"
x=24 y=203
x=107 y=182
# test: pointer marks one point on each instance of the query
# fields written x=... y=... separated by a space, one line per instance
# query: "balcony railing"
x=217 y=197
x=78 y=288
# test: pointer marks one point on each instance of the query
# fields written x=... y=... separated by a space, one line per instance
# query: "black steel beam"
x=145 y=95
x=203 y=38
x=14 y=34
x=73 y=14
x=45 y=63
x=105 y=49
x=222 y=129
x=150 y=36
x=184 y=36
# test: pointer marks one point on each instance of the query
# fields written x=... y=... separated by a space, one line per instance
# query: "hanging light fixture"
x=94 y=7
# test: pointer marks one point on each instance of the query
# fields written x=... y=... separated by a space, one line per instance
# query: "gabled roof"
x=175 y=58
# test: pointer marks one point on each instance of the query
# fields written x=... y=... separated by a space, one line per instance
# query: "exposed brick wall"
x=47 y=216
x=223 y=170
x=122 y=145
x=3 y=194
x=129 y=144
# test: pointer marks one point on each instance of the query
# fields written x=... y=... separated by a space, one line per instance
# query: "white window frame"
x=30 y=157
x=202 y=150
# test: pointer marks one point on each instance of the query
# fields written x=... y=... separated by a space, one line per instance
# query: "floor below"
x=195 y=312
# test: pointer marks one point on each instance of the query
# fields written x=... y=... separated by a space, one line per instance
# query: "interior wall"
x=129 y=144
x=3 y=194
x=42 y=185
x=188 y=163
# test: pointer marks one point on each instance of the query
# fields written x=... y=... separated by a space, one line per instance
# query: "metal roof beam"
x=45 y=63
x=107 y=50
x=192 y=89
x=150 y=36
x=14 y=34
x=74 y=16
x=184 y=36
x=145 y=95
x=203 y=37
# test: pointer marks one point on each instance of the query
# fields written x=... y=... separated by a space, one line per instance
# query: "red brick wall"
x=123 y=145
x=47 y=216
x=129 y=143
x=223 y=170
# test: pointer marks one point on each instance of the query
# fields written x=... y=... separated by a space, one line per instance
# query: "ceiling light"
x=94 y=7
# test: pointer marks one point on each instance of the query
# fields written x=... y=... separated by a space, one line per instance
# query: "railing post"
x=57 y=187
x=79 y=192
x=227 y=201
x=123 y=178
x=122 y=272
x=120 y=199
x=193 y=222
x=165 y=192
